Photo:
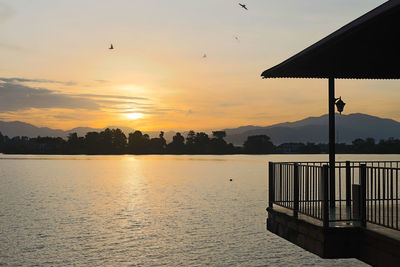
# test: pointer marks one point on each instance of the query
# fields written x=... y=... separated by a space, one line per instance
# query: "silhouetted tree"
x=258 y=144
x=92 y=143
x=201 y=143
x=118 y=141
x=390 y=146
x=219 y=145
x=2 y=141
x=158 y=145
x=105 y=141
x=177 y=146
x=364 y=146
x=75 y=144
x=114 y=142
x=190 y=138
x=219 y=134
x=138 y=143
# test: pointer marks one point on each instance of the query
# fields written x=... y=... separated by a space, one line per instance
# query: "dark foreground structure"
x=363 y=221
x=342 y=209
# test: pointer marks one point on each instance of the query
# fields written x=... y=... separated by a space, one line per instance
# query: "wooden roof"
x=366 y=48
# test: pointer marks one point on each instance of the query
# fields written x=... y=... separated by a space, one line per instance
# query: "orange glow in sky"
x=134 y=116
x=56 y=69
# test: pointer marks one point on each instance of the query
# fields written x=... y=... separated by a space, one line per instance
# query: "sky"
x=56 y=69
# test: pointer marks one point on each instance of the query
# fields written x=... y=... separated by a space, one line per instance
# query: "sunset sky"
x=56 y=69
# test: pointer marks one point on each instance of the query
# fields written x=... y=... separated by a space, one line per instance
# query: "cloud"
x=6 y=12
x=230 y=104
x=14 y=97
x=74 y=117
x=148 y=110
x=24 y=80
x=17 y=96
x=10 y=47
x=129 y=106
x=115 y=102
x=102 y=81
x=114 y=96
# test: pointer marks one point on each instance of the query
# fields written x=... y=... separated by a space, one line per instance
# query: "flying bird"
x=243 y=5
x=111 y=47
x=204 y=56
x=237 y=39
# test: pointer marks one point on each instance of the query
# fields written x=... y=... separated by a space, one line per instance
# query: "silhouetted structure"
x=367 y=48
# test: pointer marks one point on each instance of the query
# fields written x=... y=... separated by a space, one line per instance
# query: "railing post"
x=348 y=184
x=332 y=175
x=325 y=198
x=296 y=191
x=307 y=185
x=271 y=180
x=356 y=202
x=363 y=194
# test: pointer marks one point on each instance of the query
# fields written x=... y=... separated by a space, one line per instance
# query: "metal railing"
x=382 y=195
x=363 y=191
x=297 y=187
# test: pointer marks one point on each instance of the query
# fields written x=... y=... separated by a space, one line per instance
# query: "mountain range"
x=315 y=129
x=311 y=129
x=18 y=128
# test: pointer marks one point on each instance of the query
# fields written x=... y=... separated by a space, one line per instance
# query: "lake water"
x=144 y=211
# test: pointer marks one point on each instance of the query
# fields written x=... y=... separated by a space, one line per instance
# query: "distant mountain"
x=17 y=128
x=315 y=129
x=312 y=129
x=241 y=129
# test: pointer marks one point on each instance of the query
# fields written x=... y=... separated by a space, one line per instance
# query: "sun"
x=134 y=116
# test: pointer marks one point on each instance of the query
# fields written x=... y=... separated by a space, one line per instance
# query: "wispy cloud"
x=102 y=81
x=24 y=80
x=6 y=12
x=10 y=47
x=230 y=104
x=114 y=96
x=115 y=103
x=149 y=110
x=15 y=96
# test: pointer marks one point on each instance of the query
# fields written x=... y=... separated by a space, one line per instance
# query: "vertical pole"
x=324 y=180
x=348 y=184
x=363 y=198
x=271 y=189
x=332 y=141
x=296 y=191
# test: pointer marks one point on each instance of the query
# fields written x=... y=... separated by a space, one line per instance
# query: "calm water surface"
x=144 y=211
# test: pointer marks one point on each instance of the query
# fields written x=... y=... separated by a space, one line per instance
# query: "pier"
x=342 y=209
x=361 y=219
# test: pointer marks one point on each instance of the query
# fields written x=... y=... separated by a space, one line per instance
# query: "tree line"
x=358 y=146
x=114 y=141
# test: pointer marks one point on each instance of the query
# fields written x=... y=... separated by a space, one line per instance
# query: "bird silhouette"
x=243 y=5
x=237 y=39
x=111 y=47
x=204 y=56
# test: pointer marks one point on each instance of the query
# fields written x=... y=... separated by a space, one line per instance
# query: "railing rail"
x=365 y=191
